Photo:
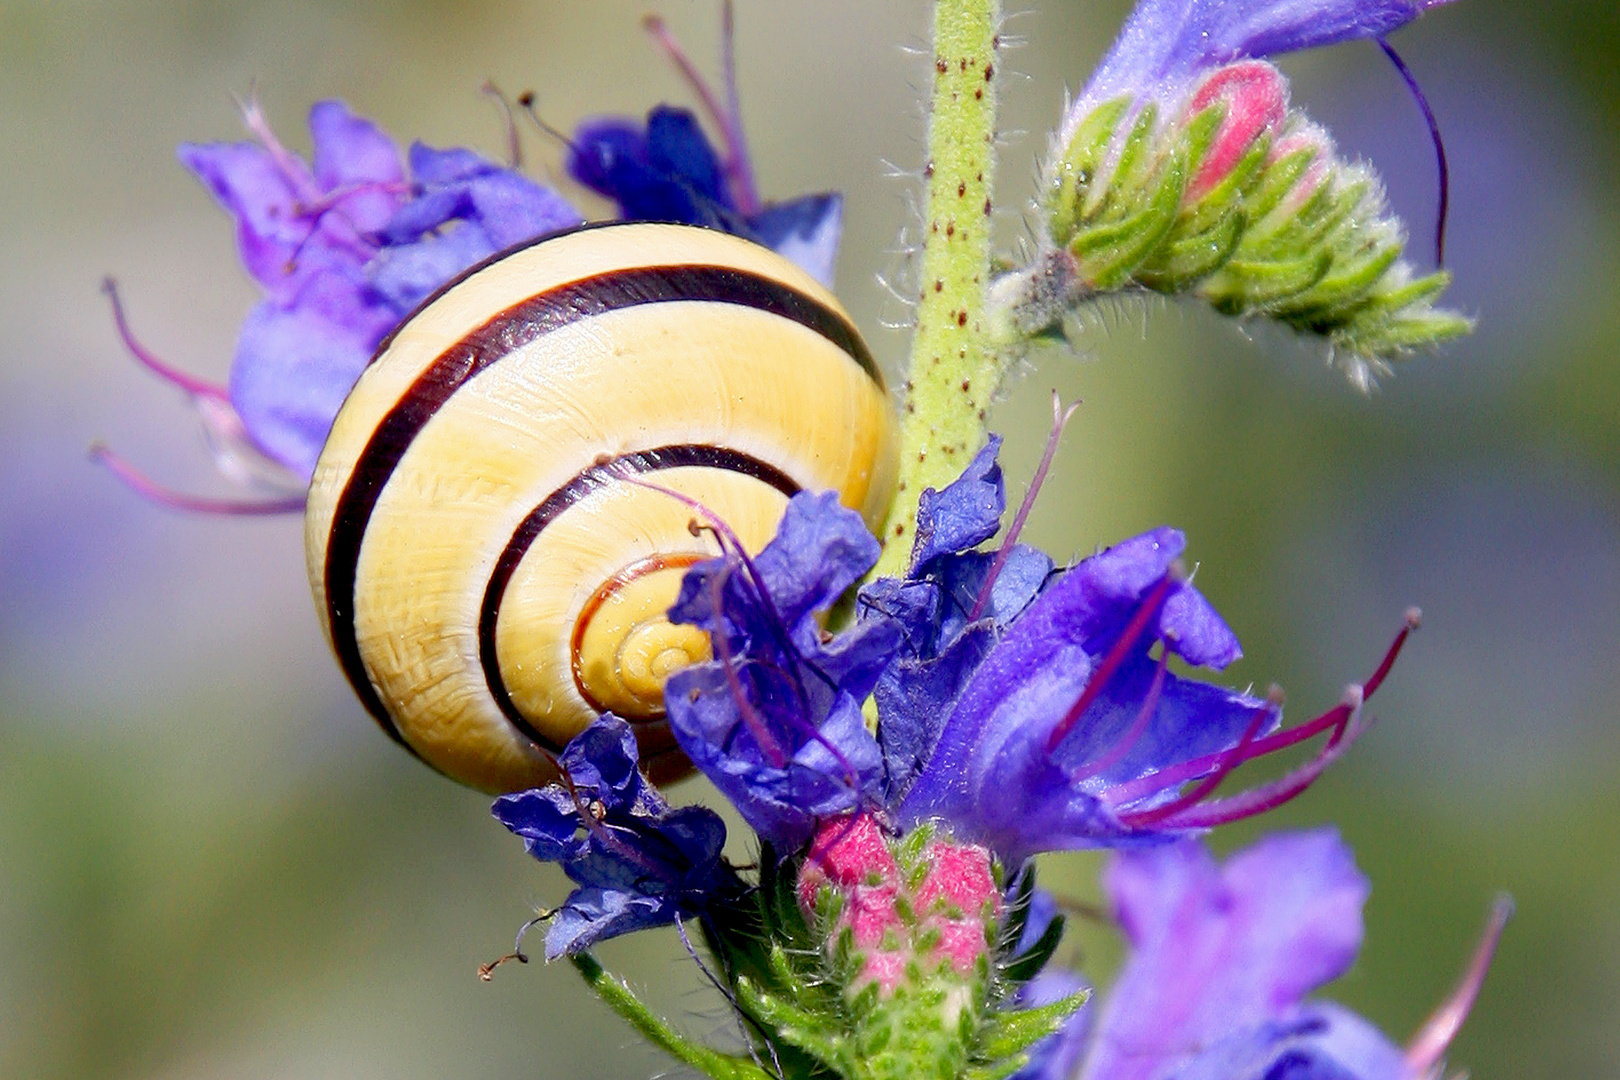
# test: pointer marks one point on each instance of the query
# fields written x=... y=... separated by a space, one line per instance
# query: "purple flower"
x=667 y=170
x=775 y=722
x=1019 y=705
x=1166 y=45
x=638 y=863
x=344 y=247
x=1221 y=962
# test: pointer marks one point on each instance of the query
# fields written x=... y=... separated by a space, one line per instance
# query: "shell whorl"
x=491 y=536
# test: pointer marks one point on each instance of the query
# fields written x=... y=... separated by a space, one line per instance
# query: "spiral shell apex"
x=491 y=531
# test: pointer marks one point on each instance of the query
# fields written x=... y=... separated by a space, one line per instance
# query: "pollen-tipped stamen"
x=1429 y=1045
x=1269 y=796
x=1060 y=420
x=1337 y=718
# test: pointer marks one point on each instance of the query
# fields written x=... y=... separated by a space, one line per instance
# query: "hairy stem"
x=653 y=1028
x=954 y=366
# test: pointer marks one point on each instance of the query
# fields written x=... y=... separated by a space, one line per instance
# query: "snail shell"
x=486 y=574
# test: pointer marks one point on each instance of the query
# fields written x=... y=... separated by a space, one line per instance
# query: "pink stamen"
x=1234 y=757
x=514 y=145
x=1265 y=797
x=152 y=491
x=1122 y=647
x=1335 y=718
x=751 y=720
x=1139 y=726
x=1427 y=1047
x=290 y=165
x=1060 y=420
x=738 y=168
x=605 y=834
x=147 y=359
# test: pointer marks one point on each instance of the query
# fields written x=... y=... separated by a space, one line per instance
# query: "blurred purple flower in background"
x=1221 y=960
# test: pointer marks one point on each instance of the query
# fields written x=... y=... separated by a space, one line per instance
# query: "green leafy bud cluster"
x=1259 y=220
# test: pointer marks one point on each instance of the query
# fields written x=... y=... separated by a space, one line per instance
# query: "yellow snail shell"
x=486 y=575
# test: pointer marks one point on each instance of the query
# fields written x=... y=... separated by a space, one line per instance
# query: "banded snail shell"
x=486 y=576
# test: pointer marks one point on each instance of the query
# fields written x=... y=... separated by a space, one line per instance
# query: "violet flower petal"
x=1318 y=1041
x=1216 y=950
x=1166 y=43
x=296 y=363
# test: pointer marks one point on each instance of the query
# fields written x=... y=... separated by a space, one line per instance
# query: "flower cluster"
x=1019 y=709
x=903 y=744
x=1182 y=168
x=348 y=244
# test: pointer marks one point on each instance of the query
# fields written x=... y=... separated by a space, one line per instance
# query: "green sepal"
x=1187 y=260
x=1013 y=1031
x=1333 y=300
x=1134 y=168
x=1241 y=286
x=619 y=997
x=1078 y=167
x=1108 y=254
x=813 y=1033
x=1278 y=179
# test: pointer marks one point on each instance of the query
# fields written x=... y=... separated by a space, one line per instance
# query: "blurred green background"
x=211 y=864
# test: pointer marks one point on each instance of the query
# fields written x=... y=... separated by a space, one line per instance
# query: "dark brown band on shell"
x=509 y=330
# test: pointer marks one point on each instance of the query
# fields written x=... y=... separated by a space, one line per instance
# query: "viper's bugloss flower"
x=666 y=170
x=1182 y=168
x=1220 y=965
x=1019 y=706
x=344 y=247
x=776 y=720
x=638 y=862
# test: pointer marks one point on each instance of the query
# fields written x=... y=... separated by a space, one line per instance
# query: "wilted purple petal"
x=247 y=182
x=638 y=863
x=965 y=513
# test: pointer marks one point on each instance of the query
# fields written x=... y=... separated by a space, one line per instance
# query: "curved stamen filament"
x=1060 y=420
x=149 y=489
x=1122 y=647
x=1335 y=718
x=1439 y=149
x=149 y=360
x=1268 y=796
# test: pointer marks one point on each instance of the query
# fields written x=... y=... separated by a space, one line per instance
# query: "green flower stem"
x=955 y=368
x=618 y=997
